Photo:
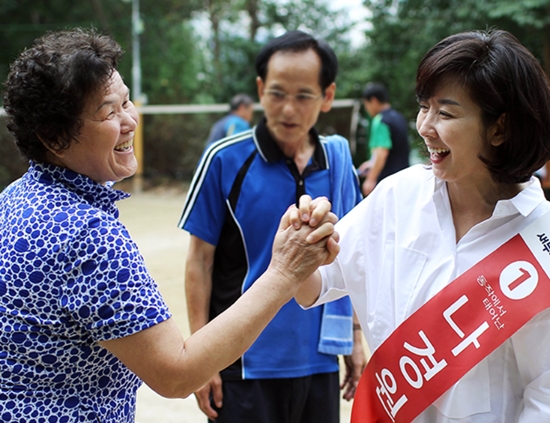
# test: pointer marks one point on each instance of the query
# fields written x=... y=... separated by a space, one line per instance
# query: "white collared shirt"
x=398 y=249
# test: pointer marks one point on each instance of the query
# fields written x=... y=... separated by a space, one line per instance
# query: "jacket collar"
x=270 y=151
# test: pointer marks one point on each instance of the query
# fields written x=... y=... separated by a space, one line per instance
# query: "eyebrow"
x=444 y=101
x=305 y=90
x=449 y=102
x=105 y=103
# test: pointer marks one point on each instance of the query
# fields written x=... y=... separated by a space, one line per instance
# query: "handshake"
x=305 y=239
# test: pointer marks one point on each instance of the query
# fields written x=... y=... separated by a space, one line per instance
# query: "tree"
x=402 y=31
x=532 y=16
x=239 y=28
x=178 y=66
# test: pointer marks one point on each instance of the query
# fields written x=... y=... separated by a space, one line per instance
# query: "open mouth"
x=438 y=153
x=125 y=146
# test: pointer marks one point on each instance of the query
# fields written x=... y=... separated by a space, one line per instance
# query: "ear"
x=52 y=152
x=330 y=92
x=54 y=156
x=260 y=86
x=497 y=133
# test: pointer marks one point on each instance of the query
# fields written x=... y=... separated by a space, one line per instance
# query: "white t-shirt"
x=398 y=249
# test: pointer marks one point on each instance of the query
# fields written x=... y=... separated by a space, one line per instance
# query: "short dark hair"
x=49 y=84
x=504 y=79
x=298 y=41
x=376 y=90
x=239 y=99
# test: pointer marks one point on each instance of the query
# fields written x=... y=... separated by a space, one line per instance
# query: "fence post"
x=137 y=180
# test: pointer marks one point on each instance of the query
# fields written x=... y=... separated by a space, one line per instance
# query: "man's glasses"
x=280 y=97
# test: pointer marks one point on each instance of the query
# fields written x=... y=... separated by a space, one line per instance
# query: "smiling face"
x=293 y=73
x=104 y=148
x=451 y=126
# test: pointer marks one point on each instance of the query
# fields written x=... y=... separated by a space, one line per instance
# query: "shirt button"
x=301 y=182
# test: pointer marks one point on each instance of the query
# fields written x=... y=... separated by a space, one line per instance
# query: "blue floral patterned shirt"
x=70 y=276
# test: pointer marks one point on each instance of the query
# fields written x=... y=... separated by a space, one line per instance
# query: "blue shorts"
x=309 y=399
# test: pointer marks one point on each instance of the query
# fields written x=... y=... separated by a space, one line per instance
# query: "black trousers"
x=309 y=399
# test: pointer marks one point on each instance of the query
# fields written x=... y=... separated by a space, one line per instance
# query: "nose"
x=130 y=118
x=290 y=105
x=424 y=124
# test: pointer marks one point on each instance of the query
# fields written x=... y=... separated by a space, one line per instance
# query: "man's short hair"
x=376 y=90
x=239 y=99
x=297 y=42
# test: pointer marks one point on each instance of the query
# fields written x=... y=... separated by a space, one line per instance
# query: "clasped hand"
x=316 y=213
x=305 y=239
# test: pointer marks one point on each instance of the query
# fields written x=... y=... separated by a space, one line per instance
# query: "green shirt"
x=380 y=136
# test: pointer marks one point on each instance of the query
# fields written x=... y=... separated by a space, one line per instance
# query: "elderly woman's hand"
x=315 y=212
x=299 y=249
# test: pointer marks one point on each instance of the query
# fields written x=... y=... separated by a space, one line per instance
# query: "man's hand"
x=355 y=364
x=364 y=168
x=367 y=186
x=214 y=386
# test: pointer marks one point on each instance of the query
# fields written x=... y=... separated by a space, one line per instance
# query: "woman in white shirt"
x=484 y=117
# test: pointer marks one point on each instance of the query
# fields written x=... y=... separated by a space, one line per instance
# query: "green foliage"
x=181 y=64
x=178 y=65
x=532 y=13
x=12 y=164
x=404 y=30
x=307 y=15
x=234 y=44
x=22 y=21
x=171 y=77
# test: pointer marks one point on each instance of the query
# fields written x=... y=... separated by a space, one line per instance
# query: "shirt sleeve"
x=108 y=291
x=380 y=135
x=346 y=275
x=236 y=126
x=531 y=353
x=217 y=132
x=205 y=206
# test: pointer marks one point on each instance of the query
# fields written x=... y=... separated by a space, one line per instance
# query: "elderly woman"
x=81 y=320
x=485 y=119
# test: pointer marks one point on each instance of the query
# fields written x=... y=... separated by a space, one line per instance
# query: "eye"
x=304 y=97
x=278 y=95
x=422 y=107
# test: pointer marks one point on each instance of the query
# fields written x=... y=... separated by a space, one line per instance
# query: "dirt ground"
x=151 y=218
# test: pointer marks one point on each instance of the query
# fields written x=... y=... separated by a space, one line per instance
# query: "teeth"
x=124 y=146
x=438 y=150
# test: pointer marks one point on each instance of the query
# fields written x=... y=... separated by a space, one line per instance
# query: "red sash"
x=456 y=329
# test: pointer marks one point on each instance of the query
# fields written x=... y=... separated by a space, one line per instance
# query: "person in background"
x=484 y=116
x=238 y=120
x=388 y=138
x=240 y=190
x=82 y=323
